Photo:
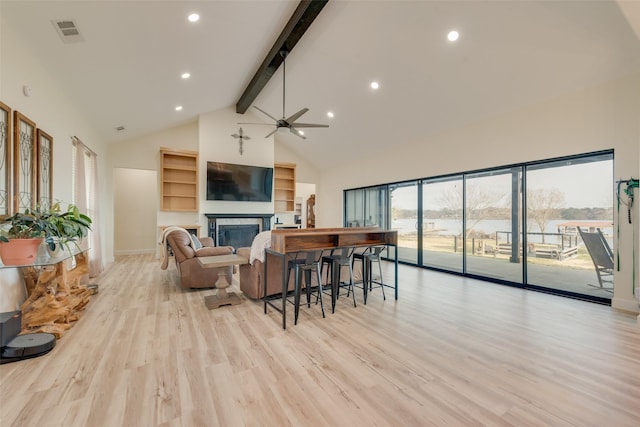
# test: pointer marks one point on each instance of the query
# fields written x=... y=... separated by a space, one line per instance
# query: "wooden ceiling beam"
x=302 y=17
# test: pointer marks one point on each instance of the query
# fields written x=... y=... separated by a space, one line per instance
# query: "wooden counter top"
x=287 y=241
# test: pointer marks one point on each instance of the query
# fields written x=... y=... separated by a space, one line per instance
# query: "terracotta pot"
x=19 y=251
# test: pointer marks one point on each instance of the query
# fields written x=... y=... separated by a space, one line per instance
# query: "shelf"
x=171 y=181
x=166 y=168
x=177 y=195
x=284 y=187
x=179 y=180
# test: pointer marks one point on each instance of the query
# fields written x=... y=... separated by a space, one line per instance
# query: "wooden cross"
x=241 y=138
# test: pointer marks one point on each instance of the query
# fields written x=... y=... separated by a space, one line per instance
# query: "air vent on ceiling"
x=68 y=30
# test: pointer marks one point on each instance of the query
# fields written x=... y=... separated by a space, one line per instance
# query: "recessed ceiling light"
x=194 y=17
x=330 y=114
x=300 y=132
x=453 y=36
x=374 y=85
x=185 y=75
x=179 y=108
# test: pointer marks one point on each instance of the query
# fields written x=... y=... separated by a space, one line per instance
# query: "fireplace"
x=238 y=236
x=237 y=230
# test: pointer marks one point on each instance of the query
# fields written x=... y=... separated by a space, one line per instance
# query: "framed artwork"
x=44 y=177
x=5 y=161
x=24 y=161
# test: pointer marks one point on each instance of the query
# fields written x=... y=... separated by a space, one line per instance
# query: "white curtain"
x=85 y=197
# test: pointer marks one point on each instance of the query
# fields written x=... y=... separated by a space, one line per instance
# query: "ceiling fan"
x=288 y=123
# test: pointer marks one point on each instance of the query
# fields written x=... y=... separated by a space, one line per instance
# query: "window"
x=516 y=225
x=442 y=223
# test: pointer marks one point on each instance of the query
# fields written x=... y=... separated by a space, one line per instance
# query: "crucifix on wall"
x=241 y=138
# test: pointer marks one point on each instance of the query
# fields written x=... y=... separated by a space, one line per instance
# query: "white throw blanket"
x=163 y=242
x=261 y=242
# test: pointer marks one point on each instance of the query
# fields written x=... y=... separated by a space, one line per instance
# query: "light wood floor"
x=451 y=351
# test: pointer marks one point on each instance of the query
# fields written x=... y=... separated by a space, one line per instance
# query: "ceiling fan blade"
x=271 y=133
x=263 y=124
x=296 y=133
x=309 y=125
x=296 y=116
x=265 y=113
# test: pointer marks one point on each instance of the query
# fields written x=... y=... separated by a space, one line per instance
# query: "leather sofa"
x=192 y=273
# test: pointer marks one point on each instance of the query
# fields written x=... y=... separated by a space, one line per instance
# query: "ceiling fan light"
x=283 y=129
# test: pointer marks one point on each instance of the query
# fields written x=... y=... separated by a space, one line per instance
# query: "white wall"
x=599 y=118
x=57 y=115
x=305 y=171
x=48 y=106
x=135 y=206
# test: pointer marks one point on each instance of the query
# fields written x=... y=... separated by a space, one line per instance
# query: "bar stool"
x=310 y=262
x=368 y=257
x=339 y=258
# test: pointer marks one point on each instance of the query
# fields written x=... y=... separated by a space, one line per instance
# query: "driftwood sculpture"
x=55 y=297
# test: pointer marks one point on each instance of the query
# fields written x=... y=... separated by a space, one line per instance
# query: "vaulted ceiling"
x=510 y=54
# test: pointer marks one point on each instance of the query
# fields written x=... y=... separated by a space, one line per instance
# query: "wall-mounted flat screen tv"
x=226 y=181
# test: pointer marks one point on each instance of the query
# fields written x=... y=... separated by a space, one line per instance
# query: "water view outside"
x=443 y=224
x=561 y=197
x=551 y=200
x=404 y=202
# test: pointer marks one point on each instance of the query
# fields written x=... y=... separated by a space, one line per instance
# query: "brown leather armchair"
x=192 y=273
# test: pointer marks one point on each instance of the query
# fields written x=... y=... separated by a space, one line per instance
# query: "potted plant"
x=64 y=227
x=22 y=233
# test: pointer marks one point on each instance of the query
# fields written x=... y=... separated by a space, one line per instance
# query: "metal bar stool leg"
x=351 y=288
x=307 y=279
x=319 y=277
x=384 y=298
x=296 y=295
x=330 y=276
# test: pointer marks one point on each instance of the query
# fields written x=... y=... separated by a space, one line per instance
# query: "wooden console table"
x=55 y=296
x=285 y=242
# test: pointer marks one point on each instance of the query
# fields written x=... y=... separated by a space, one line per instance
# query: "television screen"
x=226 y=181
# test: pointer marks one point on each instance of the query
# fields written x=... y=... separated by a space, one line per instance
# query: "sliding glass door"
x=376 y=203
x=367 y=207
x=403 y=199
x=354 y=208
x=564 y=198
x=493 y=223
x=442 y=223
x=517 y=225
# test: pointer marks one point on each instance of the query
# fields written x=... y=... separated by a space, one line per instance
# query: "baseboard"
x=630 y=305
x=134 y=252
